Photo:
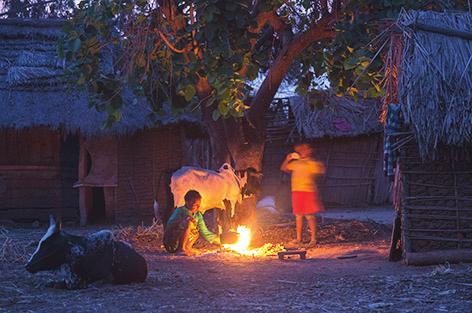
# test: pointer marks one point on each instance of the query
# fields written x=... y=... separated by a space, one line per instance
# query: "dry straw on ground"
x=12 y=250
x=143 y=238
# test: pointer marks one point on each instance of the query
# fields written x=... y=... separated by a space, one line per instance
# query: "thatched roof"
x=33 y=93
x=435 y=84
x=328 y=115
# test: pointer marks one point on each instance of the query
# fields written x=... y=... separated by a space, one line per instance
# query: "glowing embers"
x=242 y=245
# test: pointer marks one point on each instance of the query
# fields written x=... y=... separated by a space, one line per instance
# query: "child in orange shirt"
x=305 y=200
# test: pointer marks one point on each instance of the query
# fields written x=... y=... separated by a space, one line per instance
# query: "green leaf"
x=189 y=91
x=81 y=80
x=352 y=91
x=116 y=116
x=223 y=108
x=75 y=45
x=364 y=64
x=377 y=87
x=141 y=60
x=215 y=115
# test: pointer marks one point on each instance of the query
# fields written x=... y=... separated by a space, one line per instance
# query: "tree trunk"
x=232 y=140
x=246 y=146
x=318 y=31
x=235 y=142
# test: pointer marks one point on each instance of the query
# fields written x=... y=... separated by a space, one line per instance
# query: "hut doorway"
x=97 y=179
x=98 y=212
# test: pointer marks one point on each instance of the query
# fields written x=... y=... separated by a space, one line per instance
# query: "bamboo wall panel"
x=146 y=161
x=437 y=201
x=354 y=174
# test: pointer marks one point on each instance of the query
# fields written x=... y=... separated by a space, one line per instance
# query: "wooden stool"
x=301 y=253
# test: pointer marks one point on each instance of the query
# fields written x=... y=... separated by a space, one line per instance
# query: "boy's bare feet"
x=191 y=252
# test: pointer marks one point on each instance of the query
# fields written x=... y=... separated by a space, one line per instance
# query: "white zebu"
x=213 y=186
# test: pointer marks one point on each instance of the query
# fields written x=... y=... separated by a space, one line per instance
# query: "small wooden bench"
x=301 y=253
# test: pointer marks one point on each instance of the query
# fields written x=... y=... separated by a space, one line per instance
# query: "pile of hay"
x=142 y=238
x=11 y=250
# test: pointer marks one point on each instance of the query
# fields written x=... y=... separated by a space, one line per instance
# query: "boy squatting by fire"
x=305 y=200
x=184 y=226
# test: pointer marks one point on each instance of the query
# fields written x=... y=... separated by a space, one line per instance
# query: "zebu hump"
x=192 y=175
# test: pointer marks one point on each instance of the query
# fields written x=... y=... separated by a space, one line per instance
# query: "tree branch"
x=271 y=18
x=170 y=45
x=318 y=31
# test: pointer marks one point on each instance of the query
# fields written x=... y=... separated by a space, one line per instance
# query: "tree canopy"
x=36 y=8
x=204 y=52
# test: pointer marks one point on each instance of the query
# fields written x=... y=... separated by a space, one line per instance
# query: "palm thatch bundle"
x=435 y=83
x=328 y=115
x=34 y=93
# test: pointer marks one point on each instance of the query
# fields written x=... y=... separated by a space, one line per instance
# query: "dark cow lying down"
x=87 y=259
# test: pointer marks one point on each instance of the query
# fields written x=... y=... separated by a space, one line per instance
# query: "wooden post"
x=396 y=251
x=84 y=192
x=85 y=204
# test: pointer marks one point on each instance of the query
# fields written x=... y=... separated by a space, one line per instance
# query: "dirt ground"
x=225 y=282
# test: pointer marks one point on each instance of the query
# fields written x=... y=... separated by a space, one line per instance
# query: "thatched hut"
x=429 y=132
x=55 y=156
x=347 y=137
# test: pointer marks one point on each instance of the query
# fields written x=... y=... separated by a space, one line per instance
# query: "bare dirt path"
x=224 y=282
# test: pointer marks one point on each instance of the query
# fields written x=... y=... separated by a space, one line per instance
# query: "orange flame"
x=241 y=246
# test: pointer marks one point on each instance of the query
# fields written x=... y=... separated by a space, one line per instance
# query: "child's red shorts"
x=306 y=202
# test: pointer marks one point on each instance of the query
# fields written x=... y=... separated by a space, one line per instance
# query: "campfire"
x=244 y=240
x=242 y=245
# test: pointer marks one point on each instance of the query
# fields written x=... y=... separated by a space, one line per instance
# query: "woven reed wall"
x=436 y=204
x=145 y=163
x=37 y=170
x=354 y=175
